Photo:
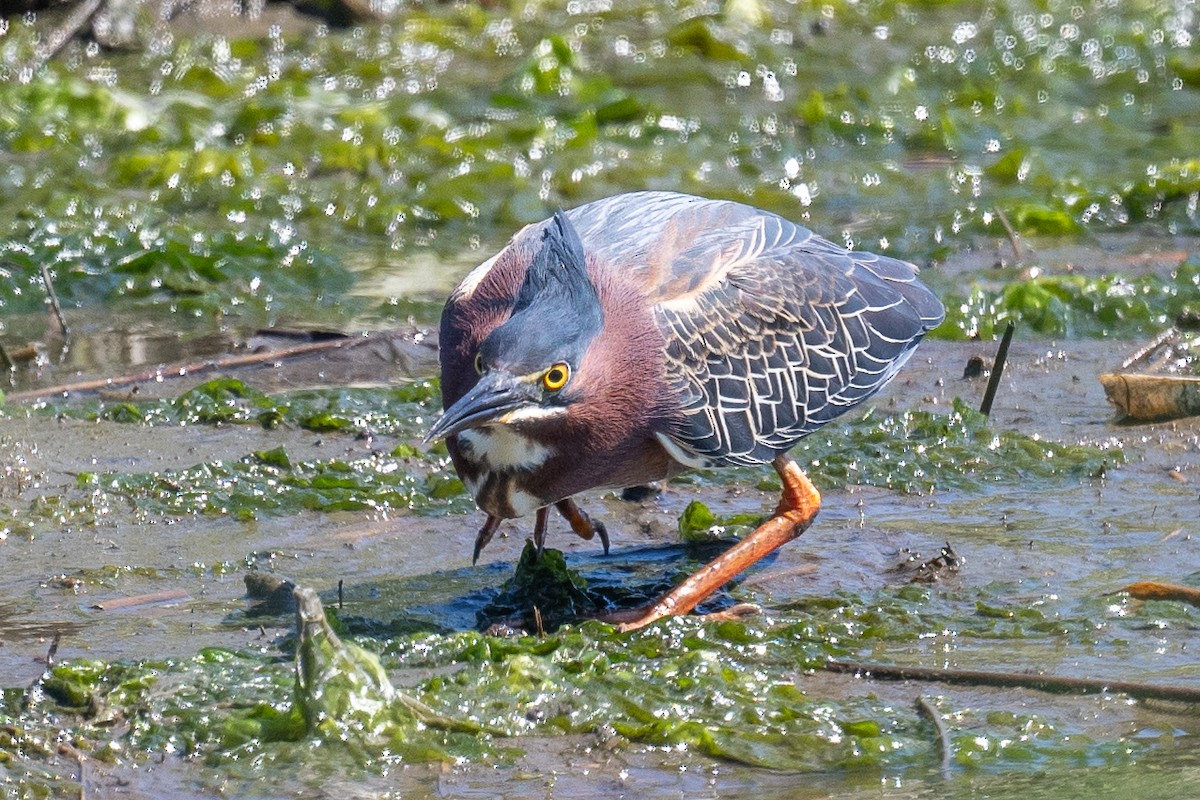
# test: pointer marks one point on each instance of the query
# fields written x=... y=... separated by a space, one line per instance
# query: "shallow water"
x=317 y=178
x=1038 y=564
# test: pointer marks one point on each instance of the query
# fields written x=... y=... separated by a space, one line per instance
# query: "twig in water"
x=58 y=315
x=1013 y=239
x=163 y=596
x=989 y=394
x=60 y=36
x=1056 y=684
x=67 y=749
x=1171 y=535
x=927 y=710
x=341 y=593
x=197 y=368
x=53 y=650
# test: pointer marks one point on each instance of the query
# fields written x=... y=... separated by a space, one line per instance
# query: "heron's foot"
x=797 y=509
x=539 y=529
x=490 y=526
x=583 y=525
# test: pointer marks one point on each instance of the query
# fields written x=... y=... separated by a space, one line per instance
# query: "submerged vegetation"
x=294 y=172
x=732 y=690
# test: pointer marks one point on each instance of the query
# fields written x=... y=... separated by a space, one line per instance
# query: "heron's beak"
x=495 y=394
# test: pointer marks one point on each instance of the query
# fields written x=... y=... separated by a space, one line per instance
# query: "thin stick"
x=1013 y=239
x=53 y=651
x=158 y=374
x=6 y=363
x=944 y=748
x=1055 y=684
x=60 y=36
x=166 y=595
x=989 y=394
x=58 y=315
x=1142 y=353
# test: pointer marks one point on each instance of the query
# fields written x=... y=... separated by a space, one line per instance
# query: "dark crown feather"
x=556 y=312
x=558 y=270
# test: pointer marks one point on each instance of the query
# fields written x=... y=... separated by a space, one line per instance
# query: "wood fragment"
x=141 y=599
x=1054 y=684
x=944 y=747
x=1153 y=590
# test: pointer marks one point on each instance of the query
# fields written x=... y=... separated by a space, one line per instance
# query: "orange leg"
x=584 y=526
x=796 y=510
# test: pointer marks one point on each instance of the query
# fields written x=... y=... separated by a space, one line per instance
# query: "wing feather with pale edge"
x=771 y=331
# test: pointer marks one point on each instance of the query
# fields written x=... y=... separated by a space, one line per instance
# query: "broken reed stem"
x=54 y=306
x=989 y=394
x=927 y=710
x=1055 y=684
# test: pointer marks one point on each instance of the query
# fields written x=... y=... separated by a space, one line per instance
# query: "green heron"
x=631 y=338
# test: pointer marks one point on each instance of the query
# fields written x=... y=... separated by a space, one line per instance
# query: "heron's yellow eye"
x=479 y=363
x=556 y=377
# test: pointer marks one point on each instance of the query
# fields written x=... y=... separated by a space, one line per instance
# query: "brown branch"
x=1056 y=684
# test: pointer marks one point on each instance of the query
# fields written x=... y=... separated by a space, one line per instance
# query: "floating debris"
x=1161 y=380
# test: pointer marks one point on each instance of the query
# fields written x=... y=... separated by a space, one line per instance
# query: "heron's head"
x=530 y=366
